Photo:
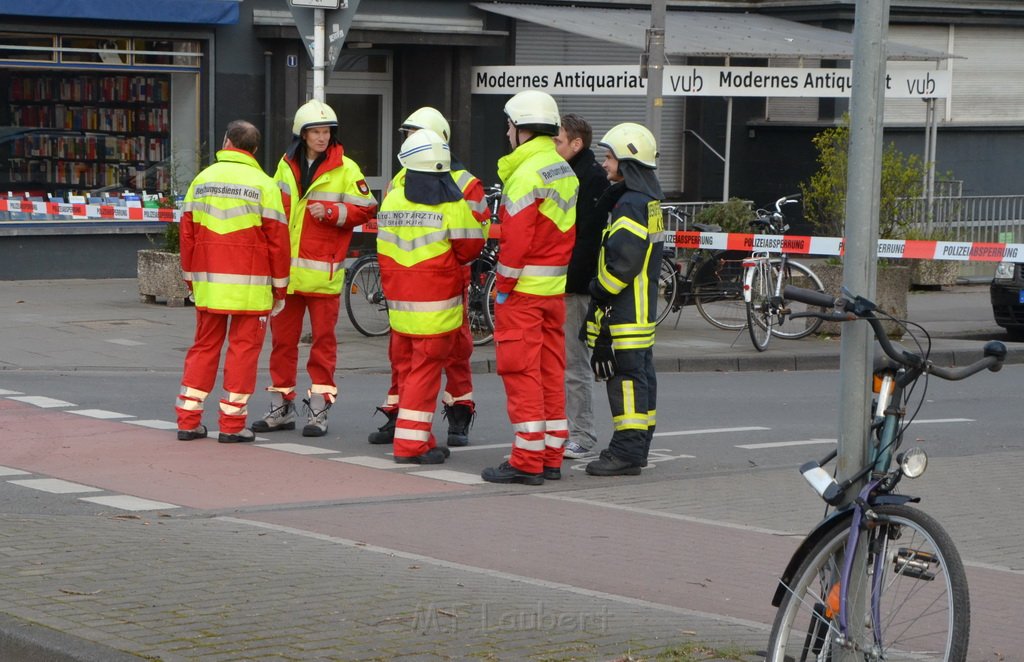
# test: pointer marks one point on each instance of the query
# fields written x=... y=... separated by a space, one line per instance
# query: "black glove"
x=602 y=360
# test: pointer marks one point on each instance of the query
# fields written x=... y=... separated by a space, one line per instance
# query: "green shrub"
x=733 y=216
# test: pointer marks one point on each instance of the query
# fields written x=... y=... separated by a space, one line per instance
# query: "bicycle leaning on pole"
x=367 y=306
x=765 y=280
x=916 y=604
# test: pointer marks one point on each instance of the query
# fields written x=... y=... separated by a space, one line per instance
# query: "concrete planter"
x=891 y=296
x=934 y=274
x=159 y=274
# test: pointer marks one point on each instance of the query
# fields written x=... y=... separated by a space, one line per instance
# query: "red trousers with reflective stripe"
x=245 y=334
x=285 y=331
x=419 y=382
x=531 y=361
x=457 y=371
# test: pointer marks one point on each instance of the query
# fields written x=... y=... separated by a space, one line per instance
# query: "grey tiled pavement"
x=205 y=586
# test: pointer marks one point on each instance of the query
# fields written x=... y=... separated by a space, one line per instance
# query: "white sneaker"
x=574 y=451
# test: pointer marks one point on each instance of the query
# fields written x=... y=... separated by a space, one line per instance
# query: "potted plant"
x=824 y=198
x=159 y=269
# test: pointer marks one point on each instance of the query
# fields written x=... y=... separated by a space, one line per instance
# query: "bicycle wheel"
x=364 y=298
x=760 y=308
x=801 y=276
x=718 y=291
x=481 y=307
x=921 y=610
x=666 y=289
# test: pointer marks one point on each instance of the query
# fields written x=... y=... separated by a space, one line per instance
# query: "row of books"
x=85 y=175
x=92 y=147
x=91 y=88
x=92 y=118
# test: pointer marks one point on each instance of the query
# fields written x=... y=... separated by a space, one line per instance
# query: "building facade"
x=135 y=96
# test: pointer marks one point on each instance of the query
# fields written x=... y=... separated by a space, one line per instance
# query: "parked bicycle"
x=480 y=295
x=765 y=279
x=909 y=573
x=364 y=297
x=367 y=307
x=711 y=280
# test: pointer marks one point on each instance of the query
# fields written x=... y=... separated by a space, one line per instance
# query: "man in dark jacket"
x=573 y=145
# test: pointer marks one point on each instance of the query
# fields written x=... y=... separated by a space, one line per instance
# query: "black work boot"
x=506 y=473
x=385 y=434
x=460 y=418
x=610 y=465
x=436 y=455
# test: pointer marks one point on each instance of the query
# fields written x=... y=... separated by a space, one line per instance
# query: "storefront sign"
x=703 y=81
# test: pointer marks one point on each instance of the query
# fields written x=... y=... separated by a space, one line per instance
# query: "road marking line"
x=126 y=502
x=498 y=574
x=944 y=420
x=675 y=516
x=8 y=471
x=156 y=425
x=54 y=485
x=681 y=433
x=369 y=461
x=99 y=413
x=4 y=391
x=450 y=476
x=298 y=449
x=782 y=444
x=124 y=341
x=42 y=401
x=472 y=447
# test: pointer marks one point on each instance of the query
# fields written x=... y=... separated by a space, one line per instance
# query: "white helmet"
x=428 y=118
x=535 y=111
x=425 y=151
x=631 y=142
x=313 y=113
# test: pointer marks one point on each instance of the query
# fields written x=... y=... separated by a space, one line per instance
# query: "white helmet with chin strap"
x=425 y=151
x=313 y=113
x=535 y=111
x=631 y=142
x=428 y=118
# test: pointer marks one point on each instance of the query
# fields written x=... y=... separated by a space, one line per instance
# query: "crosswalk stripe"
x=298 y=449
x=54 y=485
x=370 y=461
x=450 y=476
x=99 y=413
x=42 y=401
x=156 y=425
x=126 y=502
x=8 y=471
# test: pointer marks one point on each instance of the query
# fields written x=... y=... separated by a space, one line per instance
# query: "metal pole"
x=318 y=54
x=929 y=155
x=728 y=148
x=655 y=56
x=867 y=105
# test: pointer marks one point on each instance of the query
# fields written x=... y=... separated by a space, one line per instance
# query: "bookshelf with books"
x=85 y=131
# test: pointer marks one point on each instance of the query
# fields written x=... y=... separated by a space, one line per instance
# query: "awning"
x=705 y=34
x=206 y=12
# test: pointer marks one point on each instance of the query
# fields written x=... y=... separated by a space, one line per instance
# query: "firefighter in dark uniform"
x=620 y=326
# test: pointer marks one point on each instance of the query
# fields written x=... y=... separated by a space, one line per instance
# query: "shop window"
x=32 y=48
x=367 y=63
x=167 y=52
x=100 y=50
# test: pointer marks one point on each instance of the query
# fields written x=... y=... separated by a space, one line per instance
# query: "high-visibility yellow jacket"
x=626 y=285
x=319 y=247
x=234 y=237
x=538 y=216
x=421 y=249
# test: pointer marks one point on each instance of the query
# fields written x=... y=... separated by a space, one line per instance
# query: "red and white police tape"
x=964 y=251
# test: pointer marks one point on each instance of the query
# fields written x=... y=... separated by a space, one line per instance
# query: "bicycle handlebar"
x=861 y=308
